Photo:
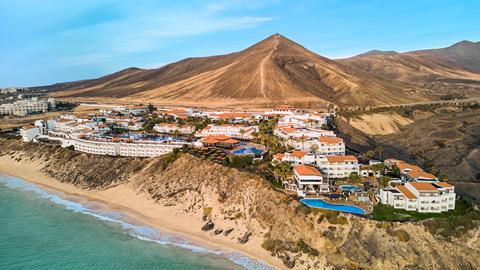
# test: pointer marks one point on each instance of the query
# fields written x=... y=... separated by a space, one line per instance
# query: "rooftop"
x=306 y=170
x=423 y=186
x=341 y=158
x=406 y=192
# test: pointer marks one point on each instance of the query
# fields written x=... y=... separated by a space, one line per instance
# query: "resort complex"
x=301 y=149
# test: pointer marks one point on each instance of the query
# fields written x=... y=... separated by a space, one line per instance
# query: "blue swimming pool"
x=318 y=203
x=248 y=151
x=350 y=188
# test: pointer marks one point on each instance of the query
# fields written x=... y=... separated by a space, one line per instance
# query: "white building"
x=29 y=132
x=338 y=166
x=237 y=131
x=26 y=107
x=118 y=148
x=325 y=146
x=305 y=134
x=422 y=197
x=303 y=120
x=171 y=128
x=309 y=180
x=281 y=110
x=295 y=157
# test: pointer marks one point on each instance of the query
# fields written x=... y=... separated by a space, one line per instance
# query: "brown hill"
x=273 y=70
x=278 y=70
x=455 y=69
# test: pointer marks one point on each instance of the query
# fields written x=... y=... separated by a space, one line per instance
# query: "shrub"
x=401 y=234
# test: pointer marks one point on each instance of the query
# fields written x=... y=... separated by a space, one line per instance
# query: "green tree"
x=314 y=148
x=379 y=151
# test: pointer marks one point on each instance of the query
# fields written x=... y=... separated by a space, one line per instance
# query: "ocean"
x=40 y=229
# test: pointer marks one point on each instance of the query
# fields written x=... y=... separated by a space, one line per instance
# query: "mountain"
x=457 y=65
x=278 y=70
x=273 y=70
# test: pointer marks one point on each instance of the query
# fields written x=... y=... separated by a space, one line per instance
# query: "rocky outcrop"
x=238 y=205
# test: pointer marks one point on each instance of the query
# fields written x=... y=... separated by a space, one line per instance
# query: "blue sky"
x=43 y=42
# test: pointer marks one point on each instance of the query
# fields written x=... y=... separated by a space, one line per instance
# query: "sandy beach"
x=136 y=205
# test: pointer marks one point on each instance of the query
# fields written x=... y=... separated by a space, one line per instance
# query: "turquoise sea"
x=40 y=229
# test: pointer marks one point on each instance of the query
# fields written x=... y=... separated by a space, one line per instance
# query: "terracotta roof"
x=406 y=192
x=289 y=130
x=306 y=170
x=341 y=158
x=444 y=184
x=231 y=115
x=330 y=140
x=210 y=140
x=421 y=174
x=298 y=154
x=278 y=156
x=406 y=166
x=423 y=186
x=217 y=137
x=28 y=126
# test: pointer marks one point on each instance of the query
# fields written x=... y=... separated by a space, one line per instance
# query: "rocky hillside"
x=438 y=139
x=452 y=70
x=245 y=204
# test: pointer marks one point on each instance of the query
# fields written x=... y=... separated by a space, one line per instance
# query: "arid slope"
x=273 y=70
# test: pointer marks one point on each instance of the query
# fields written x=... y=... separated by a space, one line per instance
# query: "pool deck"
x=363 y=205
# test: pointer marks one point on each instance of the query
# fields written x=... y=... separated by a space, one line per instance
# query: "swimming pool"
x=319 y=203
x=248 y=151
x=350 y=188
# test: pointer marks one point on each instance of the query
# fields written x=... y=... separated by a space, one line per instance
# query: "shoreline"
x=139 y=208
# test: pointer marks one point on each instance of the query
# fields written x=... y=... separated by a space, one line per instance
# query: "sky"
x=50 y=41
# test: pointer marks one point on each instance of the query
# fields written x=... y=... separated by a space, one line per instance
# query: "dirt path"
x=262 y=68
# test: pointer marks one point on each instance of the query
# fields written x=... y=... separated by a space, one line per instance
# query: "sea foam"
x=145 y=233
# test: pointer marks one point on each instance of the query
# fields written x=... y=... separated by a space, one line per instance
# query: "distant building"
x=171 y=128
x=28 y=133
x=26 y=107
x=237 y=131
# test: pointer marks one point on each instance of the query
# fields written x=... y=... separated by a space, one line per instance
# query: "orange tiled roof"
x=306 y=170
x=406 y=166
x=341 y=158
x=330 y=140
x=28 y=126
x=444 y=184
x=231 y=115
x=278 y=156
x=289 y=130
x=298 y=154
x=421 y=174
x=406 y=192
x=423 y=186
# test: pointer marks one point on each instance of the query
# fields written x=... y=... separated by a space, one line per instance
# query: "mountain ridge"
x=279 y=70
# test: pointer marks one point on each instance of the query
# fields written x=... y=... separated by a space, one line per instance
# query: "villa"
x=326 y=146
x=29 y=132
x=422 y=197
x=295 y=157
x=338 y=166
x=309 y=180
x=237 y=131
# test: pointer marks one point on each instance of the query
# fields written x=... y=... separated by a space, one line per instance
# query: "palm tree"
x=379 y=150
x=314 y=149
